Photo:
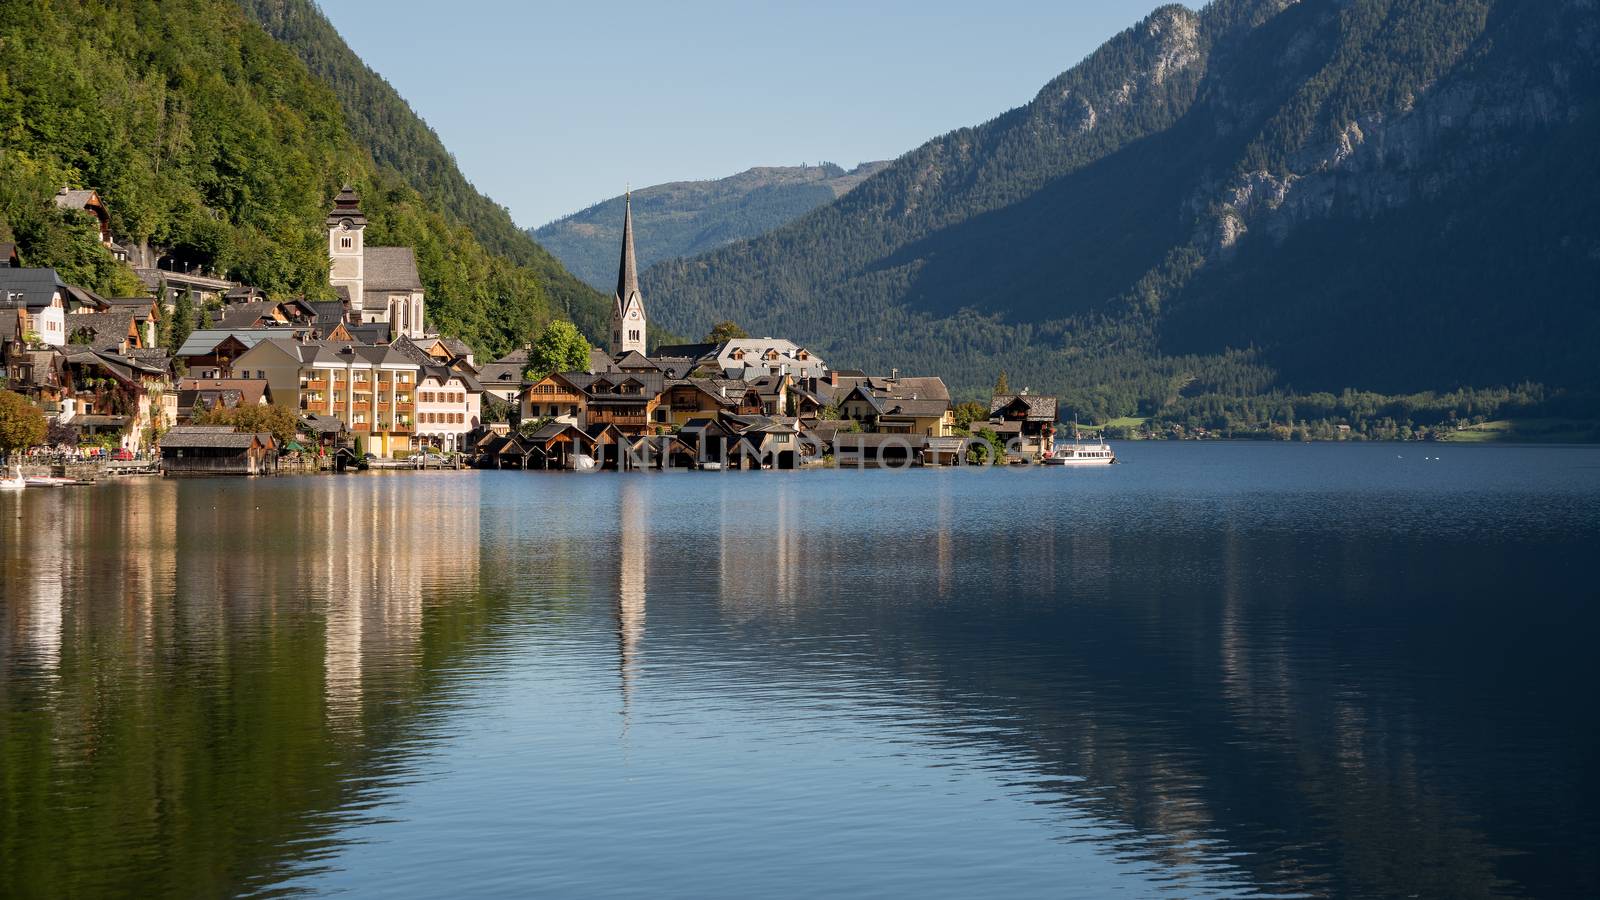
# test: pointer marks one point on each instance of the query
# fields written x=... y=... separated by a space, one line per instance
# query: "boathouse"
x=217 y=450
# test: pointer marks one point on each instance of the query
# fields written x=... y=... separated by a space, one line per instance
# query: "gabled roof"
x=188 y=438
x=246 y=315
x=370 y=332
x=1041 y=407
x=9 y=258
x=227 y=392
x=69 y=199
x=390 y=269
x=35 y=287
x=674 y=366
x=633 y=359
x=104 y=330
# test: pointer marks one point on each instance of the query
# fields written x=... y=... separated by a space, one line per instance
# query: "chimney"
x=833 y=377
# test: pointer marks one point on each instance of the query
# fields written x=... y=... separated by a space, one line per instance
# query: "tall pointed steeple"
x=628 y=268
x=628 y=318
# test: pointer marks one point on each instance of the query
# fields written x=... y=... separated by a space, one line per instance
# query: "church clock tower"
x=628 y=318
x=346 y=226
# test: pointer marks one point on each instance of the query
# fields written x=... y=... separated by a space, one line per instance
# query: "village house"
x=896 y=405
x=199 y=394
x=107 y=394
x=554 y=397
x=215 y=352
x=44 y=295
x=1030 y=419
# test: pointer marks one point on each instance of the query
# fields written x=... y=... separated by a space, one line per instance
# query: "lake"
x=1216 y=670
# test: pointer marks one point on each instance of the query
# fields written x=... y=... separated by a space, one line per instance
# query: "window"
x=633 y=335
x=346 y=243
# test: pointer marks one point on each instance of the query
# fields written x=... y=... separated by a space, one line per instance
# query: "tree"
x=560 y=347
x=21 y=423
x=1002 y=385
x=182 y=322
x=280 y=421
x=969 y=412
x=725 y=331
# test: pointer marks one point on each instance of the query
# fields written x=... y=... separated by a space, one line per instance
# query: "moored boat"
x=13 y=481
x=1079 y=453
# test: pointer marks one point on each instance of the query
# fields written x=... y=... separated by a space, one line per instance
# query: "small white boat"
x=14 y=481
x=1079 y=454
x=48 y=481
x=582 y=462
x=711 y=467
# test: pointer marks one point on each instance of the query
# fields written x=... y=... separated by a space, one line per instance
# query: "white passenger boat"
x=1078 y=453
x=13 y=481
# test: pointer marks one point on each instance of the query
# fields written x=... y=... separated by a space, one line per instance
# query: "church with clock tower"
x=628 y=318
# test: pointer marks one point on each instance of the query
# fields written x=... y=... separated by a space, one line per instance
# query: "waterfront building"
x=1030 y=418
x=447 y=407
x=217 y=450
x=895 y=405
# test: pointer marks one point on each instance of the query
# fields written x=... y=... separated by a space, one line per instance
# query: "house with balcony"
x=371 y=389
x=554 y=397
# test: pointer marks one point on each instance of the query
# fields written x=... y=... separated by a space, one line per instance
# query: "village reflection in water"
x=1216 y=692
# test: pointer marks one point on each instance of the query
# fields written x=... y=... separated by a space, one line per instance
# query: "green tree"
x=725 y=331
x=560 y=347
x=182 y=322
x=22 y=425
x=1002 y=385
x=280 y=421
x=969 y=412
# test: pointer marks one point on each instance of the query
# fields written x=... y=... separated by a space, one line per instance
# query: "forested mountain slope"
x=384 y=124
x=1264 y=196
x=684 y=218
x=212 y=142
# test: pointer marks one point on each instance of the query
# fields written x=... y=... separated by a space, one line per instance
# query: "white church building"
x=379 y=284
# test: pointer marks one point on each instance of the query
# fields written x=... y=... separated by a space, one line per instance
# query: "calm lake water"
x=1216 y=670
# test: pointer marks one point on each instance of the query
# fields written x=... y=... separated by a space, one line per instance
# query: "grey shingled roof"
x=106 y=330
x=36 y=286
x=1041 y=407
x=390 y=269
x=245 y=315
x=179 y=439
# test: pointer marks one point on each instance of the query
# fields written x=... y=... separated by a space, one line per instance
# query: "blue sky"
x=549 y=107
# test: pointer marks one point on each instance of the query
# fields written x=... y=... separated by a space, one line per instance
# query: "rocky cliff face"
x=1263 y=180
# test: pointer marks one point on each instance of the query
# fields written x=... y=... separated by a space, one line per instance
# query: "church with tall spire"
x=628 y=318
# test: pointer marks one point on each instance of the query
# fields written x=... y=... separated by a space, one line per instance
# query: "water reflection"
x=940 y=683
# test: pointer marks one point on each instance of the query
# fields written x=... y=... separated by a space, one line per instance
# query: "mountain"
x=214 y=145
x=684 y=218
x=385 y=125
x=1262 y=199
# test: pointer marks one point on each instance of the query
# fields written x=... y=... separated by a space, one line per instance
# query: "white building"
x=449 y=404
x=381 y=283
x=44 y=295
